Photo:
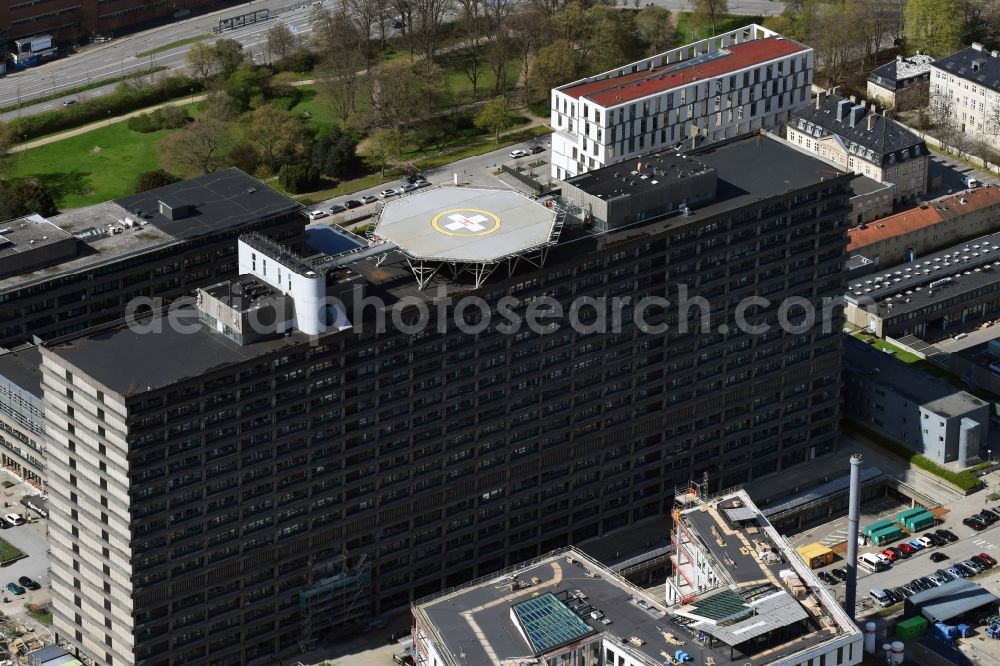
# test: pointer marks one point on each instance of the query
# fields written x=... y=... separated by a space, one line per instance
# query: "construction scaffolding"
x=334 y=601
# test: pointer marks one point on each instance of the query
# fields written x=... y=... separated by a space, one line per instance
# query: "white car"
x=317 y=214
x=367 y=199
x=385 y=194
x=883 y=558
x=14 y=519
x=515 y=154
x=927 y=542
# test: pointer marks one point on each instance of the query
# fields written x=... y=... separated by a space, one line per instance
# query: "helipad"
x=464 y=224
x=469 y=229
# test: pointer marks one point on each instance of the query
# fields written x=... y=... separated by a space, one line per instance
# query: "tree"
x=8 y=137
x=27 y=197
x=334 y=153
x=228 y=55
x=656 y=28
x=381 y=148
x=281 y=41
x=472 y=25
x=706 y=13
x=555 y=65
x=277 y=135
x=494 y=117
x=201 y=59
x=296 y=178
x=247 y=86
x=612 y=40
x=404 y=91
x=426 y=19
x=344 y=52
x=930 y=26
x=197 y=148
x=836 y=39
x=244 y=157
x=496 y=16
x=150 y=180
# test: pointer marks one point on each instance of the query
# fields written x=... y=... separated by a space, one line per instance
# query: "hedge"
x=125 y=99
x=966 y=480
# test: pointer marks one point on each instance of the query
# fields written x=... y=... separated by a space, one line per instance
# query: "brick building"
x=76 y=19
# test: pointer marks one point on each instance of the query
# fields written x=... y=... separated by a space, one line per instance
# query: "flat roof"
x=772 y=612
x=475 y=620
x=129 y=360
x=862 y=185
x=548 y=623
x=465 y=224
x=28 y=233
x=22 y=367
x=951 y=600
x=936 y=277
x=639 y=175
x=922 y=388
x=221 y=200
x=616 y=90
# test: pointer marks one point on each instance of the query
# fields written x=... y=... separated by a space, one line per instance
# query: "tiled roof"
x=621 y=89
x=936 y=211
x=884 y=143
x=972 y=64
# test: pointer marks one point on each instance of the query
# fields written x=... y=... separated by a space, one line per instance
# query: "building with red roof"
x=716 y=88
x=939 y=223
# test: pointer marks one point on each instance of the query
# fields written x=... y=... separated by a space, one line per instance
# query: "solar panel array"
x=548 y=623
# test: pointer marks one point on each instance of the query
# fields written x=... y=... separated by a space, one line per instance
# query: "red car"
x=906 y=549
x=986 y=558
x=891 y=554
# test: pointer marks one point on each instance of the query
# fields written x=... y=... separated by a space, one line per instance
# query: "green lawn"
x=686 y=33
x=43 y=615
x=459 y=86
x=8 y=553
x=173 y=45
x=92 y=167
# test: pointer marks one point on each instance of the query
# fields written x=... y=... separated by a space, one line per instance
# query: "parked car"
x=537 y=149
x=916 y=544
x=827 y=578
x=880 y=596
x=969 y=567
x=367 y=199
x=882 y=557
x=894 y=595
x=926 y=541
x=903 y=591
x=353 y=203
x=899 y=551
x=840 y=573
x=14 y=588
x=408 y=187
x=935 y=539
x=317 y=214
x=980 y=562
x=938 y=557
x=990 y=512
x=423 y=183
x=15 y=519
x=945 y=576
x=388 y=192
x=28 y=583
x=4 y=524
x=975 y=523
x=926 y=582
x=891 y=554
x=957 y=572
x=946 y=535
x=517 y=154
x=936 y=580
x=906 y=549
x=987 y=516
x=69 y=102
x=988 y=559
x=338 y=208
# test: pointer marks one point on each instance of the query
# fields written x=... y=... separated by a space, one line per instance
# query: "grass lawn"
x=912 y=359
x=460 y=87
x=92 y=167
x=44 y=615
x=688 y=33
x=8 y=553
x=173 y=45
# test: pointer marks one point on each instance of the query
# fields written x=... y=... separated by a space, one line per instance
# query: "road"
x=736 y=7
x=118 y=57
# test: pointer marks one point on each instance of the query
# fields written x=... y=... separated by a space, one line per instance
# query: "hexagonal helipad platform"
x=469 y=225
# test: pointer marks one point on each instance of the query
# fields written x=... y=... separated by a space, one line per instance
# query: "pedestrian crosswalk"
x=984 y=544
x=834 y=538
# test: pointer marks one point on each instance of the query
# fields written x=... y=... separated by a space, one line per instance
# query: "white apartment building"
x=708 y=90
x=966 y=87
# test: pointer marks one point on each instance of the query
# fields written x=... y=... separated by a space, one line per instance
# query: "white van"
x=880 y=597
x=871 y=563
x=971 y=182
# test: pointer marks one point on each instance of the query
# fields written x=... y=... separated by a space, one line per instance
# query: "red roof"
x=936 y=211
x=621 y=89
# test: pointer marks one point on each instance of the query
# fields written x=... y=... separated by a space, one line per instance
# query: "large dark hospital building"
x=332 y=434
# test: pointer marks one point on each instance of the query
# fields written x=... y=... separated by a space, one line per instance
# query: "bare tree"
x=472 y=26
x=368 y=15
x=404 y=91
x=425 y=21
x=281 y=41
x=198 y=148
x=497 y=14
x=530 y=30
x=338 y=81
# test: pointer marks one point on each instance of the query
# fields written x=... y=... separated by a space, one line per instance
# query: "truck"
x=32 y=51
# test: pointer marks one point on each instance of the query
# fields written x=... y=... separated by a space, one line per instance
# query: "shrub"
x=150 y=180
x=124 y=99
x=143 y=123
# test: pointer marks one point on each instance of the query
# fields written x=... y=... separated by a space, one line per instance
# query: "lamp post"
x=109 y=117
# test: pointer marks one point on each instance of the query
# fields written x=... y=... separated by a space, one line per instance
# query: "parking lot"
x=918 y=565
x=29 y=539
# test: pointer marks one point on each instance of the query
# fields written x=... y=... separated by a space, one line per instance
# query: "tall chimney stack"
x=853 y=514
x=871 y=121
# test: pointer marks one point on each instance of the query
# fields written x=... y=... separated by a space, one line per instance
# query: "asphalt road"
x=103 y=61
